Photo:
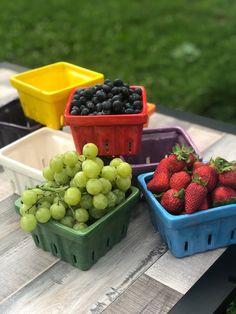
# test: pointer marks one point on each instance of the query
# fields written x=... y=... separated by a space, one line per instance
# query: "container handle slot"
x=232 y=234
x=74 y=259
x=106 y=146
x=130 y=146
x=123 y=230
x=36 y=238
x=186 y=246
x=93 y=256
x=209 y=240
x=54 y=249
x=108 y=242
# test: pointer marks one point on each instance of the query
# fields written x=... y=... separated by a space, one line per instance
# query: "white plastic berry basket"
x=24 y=159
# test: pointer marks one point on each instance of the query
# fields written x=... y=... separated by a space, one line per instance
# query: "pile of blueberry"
x=111 y=97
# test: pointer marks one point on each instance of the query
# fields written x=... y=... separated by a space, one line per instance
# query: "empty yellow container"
x=44 y=91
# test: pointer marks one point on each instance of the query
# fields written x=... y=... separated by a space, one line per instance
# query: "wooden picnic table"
x=138 y=275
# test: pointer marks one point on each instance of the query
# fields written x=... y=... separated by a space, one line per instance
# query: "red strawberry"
x=180 y=180
x=227 y=172
x=205 y=204
x=173 y=201
x=192 y=159
x=162 y=166
x=197 y=164
x=228 y=178
x=159 y=183
x=175 y=164
x=195 y=193
x=223 y=195
x=207 y=174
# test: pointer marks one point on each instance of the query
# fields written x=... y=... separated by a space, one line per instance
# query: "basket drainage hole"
x=108 y=241
x=130 y=146
x=186 y=246
x=36 y=238
x=93 y=255
x=148 y=160
x=209 y=240
x=74 y=259
x=232 y=234
x=106 y=146
x=54 y=247
x=123 y=230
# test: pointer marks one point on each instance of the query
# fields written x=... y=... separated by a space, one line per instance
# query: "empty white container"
x=24 y=159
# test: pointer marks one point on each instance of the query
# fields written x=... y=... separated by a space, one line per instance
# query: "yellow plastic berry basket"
x=44 y=91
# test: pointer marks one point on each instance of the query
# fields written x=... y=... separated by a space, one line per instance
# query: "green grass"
x=182 y=52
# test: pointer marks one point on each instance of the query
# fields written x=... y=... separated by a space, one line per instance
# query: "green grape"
x=72 y=196
x=72 y=183
x=115 y=162
x=94 y=186
x=81 y=215
x=99 y=162
x=69 y=212
x=124 y=170
x=44 y=203
x=100 y=201
x=109 y=173
x=28 y=222
x=80 y=226
x=70 y=158
x=112 y=199
x=48 y=174
x=90 y=150
x=80 y=179
x=56 y=163
x=48 y=196
x=27 y=209
x=29 y=197
x=57 y=211
x=38 y=191
x=123 y=183
x=90 y=169
x=106 y=185
x=50 y=184
x=67 y=221
x=86 y=201
x=43 y=214
x=97 y=213
x=120 y=195
x=61 y=177
x=71 y=171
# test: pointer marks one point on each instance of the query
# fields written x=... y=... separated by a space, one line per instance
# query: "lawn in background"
x=183 y=52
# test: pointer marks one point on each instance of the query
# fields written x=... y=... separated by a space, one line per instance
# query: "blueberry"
x=137 y=111
x=74 y=101
x=106 y=105
x=116 y=97
x=109 y=95
x=74 y=112
x=85 y=112
x=118 y=82
x=128 y=105
x=100 y=95
x=90 y=106
x=107 y=81
x=115 y=90
x=138 y=91
x=106 y=111
x=125 y=91
x=129 y=111
x=98 y=107
x=137 y=104
x=95 y=100
x=82 y=100
x=106 y=88
x=117 y=106
x=98 y=87
x=88 y=94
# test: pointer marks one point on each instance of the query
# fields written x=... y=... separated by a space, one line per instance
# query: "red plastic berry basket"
x=113 y=134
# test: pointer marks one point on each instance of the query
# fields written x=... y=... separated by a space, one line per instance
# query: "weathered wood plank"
x=181 y=273
x=145 y=295
x=66 y=289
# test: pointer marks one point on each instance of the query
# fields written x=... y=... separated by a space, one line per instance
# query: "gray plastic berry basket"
x=155 y=144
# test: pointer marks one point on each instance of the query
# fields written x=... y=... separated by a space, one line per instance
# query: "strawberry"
x=173 y=201
x=205 y=204
x=159 y=183
x=207 y=174
x=227 y=172
x=197 y=164
x=192 y=159
x=175 y=164
x=162 y=166
x=180 y=180
x=223 y=195
x=195 y=193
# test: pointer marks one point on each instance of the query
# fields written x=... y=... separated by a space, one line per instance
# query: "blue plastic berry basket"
x=188 y=234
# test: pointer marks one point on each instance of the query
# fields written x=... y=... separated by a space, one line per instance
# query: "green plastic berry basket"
x=83 y=248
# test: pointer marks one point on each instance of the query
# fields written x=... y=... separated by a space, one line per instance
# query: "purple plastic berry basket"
x=155 y=144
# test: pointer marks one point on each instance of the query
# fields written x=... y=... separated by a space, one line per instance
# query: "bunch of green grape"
x=79 y=189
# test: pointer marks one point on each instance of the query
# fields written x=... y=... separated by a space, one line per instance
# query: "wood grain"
x=145 y=295
x=69 y=290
